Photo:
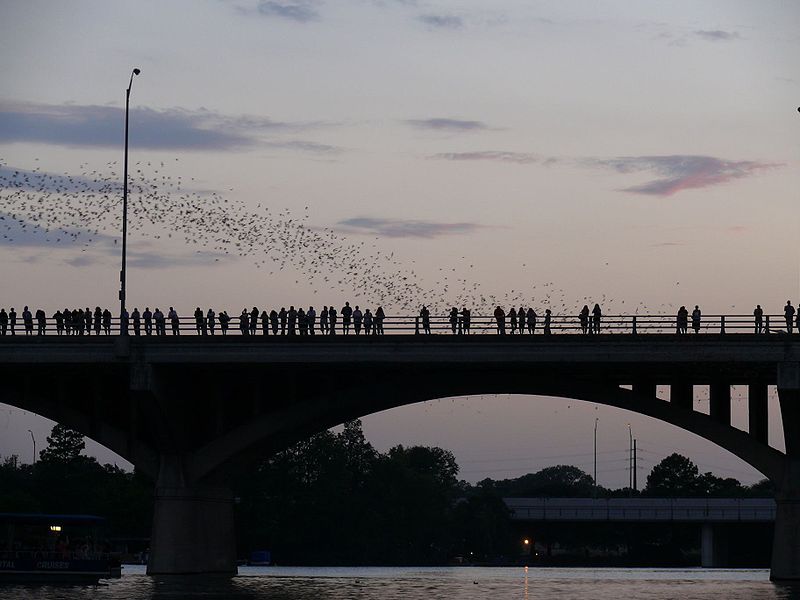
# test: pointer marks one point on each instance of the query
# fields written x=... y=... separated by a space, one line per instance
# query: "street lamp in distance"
x=135 y=71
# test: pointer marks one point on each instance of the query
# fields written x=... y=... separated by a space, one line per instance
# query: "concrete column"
x=720 y=398
x=682 y=395
x=707 y=546
x=786 y=540
x=757 y=411
x=193 y=526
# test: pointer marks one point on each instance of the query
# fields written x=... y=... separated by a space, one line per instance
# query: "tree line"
x=334 y=499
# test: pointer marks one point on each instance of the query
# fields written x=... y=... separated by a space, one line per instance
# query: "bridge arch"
x=295 y=421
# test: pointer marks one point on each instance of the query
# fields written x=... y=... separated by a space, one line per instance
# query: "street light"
x=125 y=198
x=34 y=446
x=596 y=419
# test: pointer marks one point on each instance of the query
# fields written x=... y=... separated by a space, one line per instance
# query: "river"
x=463 y=583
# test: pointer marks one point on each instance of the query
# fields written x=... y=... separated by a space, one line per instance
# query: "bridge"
x=711 y=514
x=191 y=410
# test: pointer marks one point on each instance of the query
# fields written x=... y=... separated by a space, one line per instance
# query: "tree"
x=63 y=446
x=563 y=481
x=674 y=476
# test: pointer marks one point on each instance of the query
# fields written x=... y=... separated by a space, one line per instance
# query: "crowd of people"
x=329 y=321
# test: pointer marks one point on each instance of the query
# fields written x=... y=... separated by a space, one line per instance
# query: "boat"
x=45 y=548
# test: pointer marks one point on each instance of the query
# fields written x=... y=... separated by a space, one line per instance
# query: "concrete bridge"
x=189 y=411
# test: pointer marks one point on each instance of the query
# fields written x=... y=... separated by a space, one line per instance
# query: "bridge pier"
x=193 y=527
x=786 y=539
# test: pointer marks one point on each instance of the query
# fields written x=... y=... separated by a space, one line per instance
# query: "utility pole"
x=122 y=273
x=635 y=486
x=630 y=460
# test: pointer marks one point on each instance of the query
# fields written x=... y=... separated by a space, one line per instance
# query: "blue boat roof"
x=51 y=517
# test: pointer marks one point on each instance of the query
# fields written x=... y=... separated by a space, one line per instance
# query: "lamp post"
x=125 y=198
x=595 y=456
x=34 y=446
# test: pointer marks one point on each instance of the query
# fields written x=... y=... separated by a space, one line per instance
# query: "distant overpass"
x=654 y=510
x=709 y=513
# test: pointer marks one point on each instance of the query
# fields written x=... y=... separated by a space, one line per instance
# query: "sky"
x=643 y=155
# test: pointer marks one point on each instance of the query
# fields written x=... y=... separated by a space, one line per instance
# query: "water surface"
x=463 y=583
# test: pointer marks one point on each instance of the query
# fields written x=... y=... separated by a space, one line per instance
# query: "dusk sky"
x=643 y=155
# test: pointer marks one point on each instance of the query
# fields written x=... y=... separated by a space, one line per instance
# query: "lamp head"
x=137 y=71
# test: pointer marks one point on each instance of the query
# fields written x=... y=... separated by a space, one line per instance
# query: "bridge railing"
x=438 y=324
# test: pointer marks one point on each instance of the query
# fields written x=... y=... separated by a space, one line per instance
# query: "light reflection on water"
x=467 y=583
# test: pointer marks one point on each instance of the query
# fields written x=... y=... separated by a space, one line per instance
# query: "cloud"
x=680 y=172
x=441 y=21
x=445 y=124
x=303 y=146
x=397 y=228
x=95 y=248
x=717 y=35
x=169 y=129
x=520 y=158
x=299 y=11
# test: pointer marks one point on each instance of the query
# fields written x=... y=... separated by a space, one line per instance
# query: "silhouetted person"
x=358 y=317
x=67 y=321
x=12 y=321
x=161 y=322
x=311 y=317
x=59 y=318
x=454 y=319
x=347 y=314
x=4 y=321
x=798 y=321
x=788 y=313
x=198 y=321
x=596 y=316
x=211 y=321
x=77 y=321
x=758 y=315
x=323 y=321
x=466 y=318
x=123 y=322
x=682 y=322
x=547 y=317
x=282 y=316
x=302 y=322
x=224 y=321
x=425 y=314
x=274 y=321
x=531 y=320
x=264 y=322
x=87 y=319
x=136 y=317
x=500 y=318
x=696 y=316
x=583 y=317
x=148 y=320
x=27 y=321
x=378 y=321
x=521 y=320
x=107 y=321
x=292 y=319
x=41 y=322
x=174 y=321
x=332 y=320
x=253 y=320
x=512 y=317
x=244 y=322
x=367 y=322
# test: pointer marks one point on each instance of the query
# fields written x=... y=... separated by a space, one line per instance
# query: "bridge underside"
x=191 y=412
